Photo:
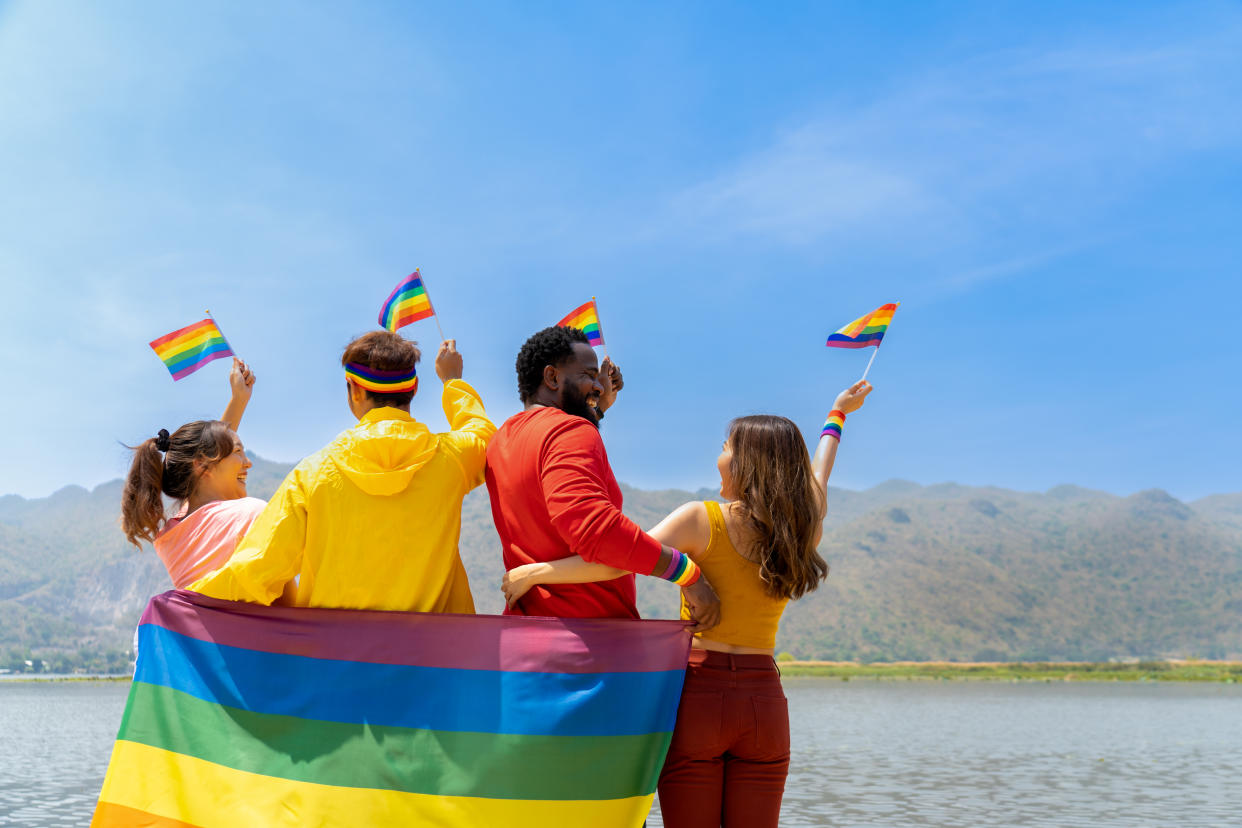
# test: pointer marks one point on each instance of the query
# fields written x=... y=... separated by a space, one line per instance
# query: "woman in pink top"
x=202 y=466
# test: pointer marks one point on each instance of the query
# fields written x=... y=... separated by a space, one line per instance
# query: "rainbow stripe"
x=586 y=318
x=407 y=303
x=185 y=351
x=382 y=382
x=867 y=329
x=241 y=714
x=681 y=570
x=833 y=425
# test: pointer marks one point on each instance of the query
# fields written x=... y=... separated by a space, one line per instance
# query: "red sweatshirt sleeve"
x=573 y=473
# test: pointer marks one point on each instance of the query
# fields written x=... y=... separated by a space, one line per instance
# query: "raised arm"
x=241 y=382
x=470 y=428
x=848 y=401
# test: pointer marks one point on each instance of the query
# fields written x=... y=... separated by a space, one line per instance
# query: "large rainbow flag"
x=867 y=329
x=585 y=317
x=407 y=303
x=241 y=714
x=186 y=350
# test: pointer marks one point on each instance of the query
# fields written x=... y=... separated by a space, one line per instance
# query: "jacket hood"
x=384 y=451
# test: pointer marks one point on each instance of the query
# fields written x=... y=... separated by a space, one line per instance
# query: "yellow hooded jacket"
x=372 y=520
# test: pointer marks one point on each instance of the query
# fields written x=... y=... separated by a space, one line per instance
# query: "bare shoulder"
x=686 y=528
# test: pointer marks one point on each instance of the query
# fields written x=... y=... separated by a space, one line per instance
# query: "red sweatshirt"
x=553 y=495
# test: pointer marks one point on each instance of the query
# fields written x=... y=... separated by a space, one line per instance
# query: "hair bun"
x=161 y=440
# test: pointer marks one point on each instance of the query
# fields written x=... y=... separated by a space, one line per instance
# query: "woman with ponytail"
x=729 y=754
x=202 y=467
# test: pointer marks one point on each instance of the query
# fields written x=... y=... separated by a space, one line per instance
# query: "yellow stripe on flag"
x=177 y=787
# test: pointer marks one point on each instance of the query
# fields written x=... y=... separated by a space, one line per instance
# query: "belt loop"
x=732 y=663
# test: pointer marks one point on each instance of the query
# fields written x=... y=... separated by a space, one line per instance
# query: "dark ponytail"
x=168 y=465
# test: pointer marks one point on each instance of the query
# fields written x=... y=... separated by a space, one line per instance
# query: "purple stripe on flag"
x=466 y=642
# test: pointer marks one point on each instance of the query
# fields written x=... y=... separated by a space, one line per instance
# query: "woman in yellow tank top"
x=729 y=755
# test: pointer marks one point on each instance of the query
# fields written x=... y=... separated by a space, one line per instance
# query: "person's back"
x=372 y=520
x=749 y=614
x=554 y=496
x=548 y=478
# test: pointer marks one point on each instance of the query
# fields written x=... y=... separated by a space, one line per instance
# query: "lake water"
x=866 y=753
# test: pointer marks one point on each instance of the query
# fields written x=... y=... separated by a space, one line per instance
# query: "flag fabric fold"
x=585 y=317
x=186 y=350
x=241 y=714
x=867 y=329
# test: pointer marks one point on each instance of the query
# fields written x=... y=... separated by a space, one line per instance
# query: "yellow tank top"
x=748 y=615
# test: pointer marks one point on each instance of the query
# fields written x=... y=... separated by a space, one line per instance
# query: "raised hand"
x=241 y=380
x=852 y=398
x=448 y=361
x=611 y=380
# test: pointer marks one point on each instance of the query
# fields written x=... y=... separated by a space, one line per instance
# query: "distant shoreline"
x=1227 y=672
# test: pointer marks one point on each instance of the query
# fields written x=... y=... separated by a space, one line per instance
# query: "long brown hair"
x=172 y=471
x=779 y=501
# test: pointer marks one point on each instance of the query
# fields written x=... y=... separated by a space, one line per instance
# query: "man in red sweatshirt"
x=554 y=495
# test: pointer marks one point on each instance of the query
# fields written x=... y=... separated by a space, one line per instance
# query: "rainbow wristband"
x=832 y=426
x=681 y=570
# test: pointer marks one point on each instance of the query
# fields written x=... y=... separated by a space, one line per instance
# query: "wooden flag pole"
x=602 y=343
x=434 y=313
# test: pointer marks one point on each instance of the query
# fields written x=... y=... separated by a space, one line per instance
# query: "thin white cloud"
x=1020 y=137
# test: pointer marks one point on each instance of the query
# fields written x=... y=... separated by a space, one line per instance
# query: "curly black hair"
x=551 y=346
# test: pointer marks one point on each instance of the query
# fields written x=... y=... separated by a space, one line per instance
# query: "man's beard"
x=572 y=402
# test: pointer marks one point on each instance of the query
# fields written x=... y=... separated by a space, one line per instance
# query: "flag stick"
x=221 y=330
x=868 y=370
x=602 y=343
x=434 y=314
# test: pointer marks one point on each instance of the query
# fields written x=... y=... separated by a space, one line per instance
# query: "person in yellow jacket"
x=372 y=520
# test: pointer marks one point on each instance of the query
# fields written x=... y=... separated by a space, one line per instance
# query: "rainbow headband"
x=382 y=382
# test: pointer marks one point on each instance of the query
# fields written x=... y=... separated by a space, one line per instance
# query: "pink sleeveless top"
x=199 y=544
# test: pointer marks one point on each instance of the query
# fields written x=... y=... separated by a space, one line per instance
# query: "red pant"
x=730 y=750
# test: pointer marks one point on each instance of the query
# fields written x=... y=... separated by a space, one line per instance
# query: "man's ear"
x=552 y=377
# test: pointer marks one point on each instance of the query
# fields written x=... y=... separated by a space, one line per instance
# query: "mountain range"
x=943 y=572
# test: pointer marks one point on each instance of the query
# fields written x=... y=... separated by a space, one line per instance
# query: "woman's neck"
x=201 y=497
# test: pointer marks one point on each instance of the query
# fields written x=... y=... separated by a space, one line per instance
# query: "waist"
x=733 y=662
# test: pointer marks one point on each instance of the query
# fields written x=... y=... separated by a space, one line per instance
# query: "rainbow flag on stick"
x=867 y=329
x=407 y=303
x=241 y=714
x=585 y=317
x=185 y=351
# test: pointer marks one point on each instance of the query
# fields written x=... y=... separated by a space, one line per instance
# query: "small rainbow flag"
x=585 y=317
x=241 y=714
x=185 y=351
x=867 y=329
x=407 y=303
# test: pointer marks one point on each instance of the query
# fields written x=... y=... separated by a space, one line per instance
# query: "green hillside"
x=943 y=572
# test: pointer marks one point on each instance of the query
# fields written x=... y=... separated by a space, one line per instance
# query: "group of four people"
x=372 y=521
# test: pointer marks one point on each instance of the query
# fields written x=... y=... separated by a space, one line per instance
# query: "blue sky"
x=1051 y=190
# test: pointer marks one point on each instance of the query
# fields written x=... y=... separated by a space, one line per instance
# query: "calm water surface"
x=865 y=753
